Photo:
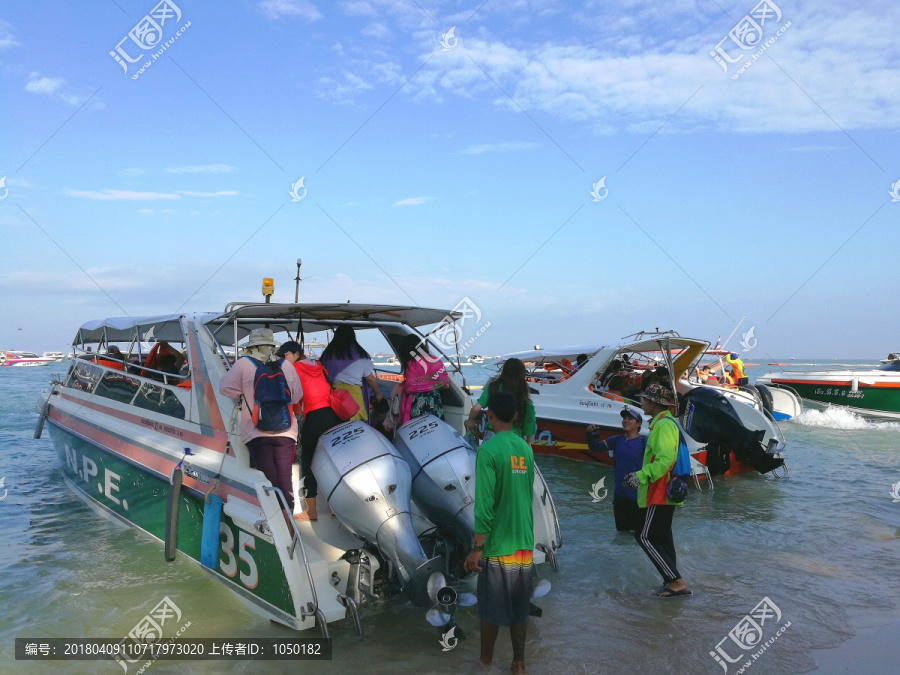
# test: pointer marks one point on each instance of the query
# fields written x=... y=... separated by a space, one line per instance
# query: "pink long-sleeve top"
x=238 y=382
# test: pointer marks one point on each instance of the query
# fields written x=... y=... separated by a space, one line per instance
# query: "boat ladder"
x=698 y=469
x=312 y=608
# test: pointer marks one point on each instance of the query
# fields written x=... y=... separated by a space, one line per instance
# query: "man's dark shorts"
x=505 y=586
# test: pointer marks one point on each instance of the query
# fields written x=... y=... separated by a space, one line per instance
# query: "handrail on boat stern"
x=312 y=608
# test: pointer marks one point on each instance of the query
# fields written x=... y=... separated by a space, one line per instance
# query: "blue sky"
x=436 y=171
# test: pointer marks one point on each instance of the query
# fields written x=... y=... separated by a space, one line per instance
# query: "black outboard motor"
x=708 y=417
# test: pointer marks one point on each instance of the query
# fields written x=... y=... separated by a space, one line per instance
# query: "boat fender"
x=172 y=513
x=171 y=531
x=209 y=539
x=39 y=429
x=766 y=396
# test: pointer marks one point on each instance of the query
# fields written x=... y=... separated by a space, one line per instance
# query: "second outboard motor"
x=367 y=483
x=708 y=417
x=443 y=474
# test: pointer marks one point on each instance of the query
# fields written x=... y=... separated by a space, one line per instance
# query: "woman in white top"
x=347 y=365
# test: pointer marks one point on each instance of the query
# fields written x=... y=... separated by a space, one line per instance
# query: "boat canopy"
x=319 y=317
x=122 y=329
x=557 y=353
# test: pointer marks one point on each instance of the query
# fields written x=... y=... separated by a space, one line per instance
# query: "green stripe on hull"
x=867 y=398
x=249 y=562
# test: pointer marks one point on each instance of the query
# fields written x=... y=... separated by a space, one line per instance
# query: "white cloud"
x=43 y=85
x=202 y=168
x=221 y=193
x=117 y=195
x=131 y=172
x=7 y=39
x=146 y=210
x=275 y=9
x=376 y=30
x=498 y=147
x=412 y=201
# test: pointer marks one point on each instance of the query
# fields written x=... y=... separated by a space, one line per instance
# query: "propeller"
x=467 y=600
x=436 y=617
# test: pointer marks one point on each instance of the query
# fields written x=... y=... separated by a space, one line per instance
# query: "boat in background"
x=56 y=356
x=781 y=403
x=18 y=359
x=723 y=438
x=874 y=392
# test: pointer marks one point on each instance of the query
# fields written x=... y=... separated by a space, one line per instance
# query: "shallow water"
x=822 y=545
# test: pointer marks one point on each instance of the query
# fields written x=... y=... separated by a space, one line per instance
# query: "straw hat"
x=260 y=337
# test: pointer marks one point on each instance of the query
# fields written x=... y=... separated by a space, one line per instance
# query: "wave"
x=835 y=417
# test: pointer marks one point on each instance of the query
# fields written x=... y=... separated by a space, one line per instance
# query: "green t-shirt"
x=504 y=480
x=526 y=429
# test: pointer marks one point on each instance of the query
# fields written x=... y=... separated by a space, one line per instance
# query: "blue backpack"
x=676 y=488
x=271 y=397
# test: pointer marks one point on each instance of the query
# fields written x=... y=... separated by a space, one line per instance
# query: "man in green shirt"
x=504 y=532
x=654 y=532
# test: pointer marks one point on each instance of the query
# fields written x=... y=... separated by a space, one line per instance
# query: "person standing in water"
x=349 y=367
x=654 y=533
x=627 y=451
x=504 y=532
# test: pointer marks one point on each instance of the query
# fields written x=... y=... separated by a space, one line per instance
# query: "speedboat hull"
x=873 y=393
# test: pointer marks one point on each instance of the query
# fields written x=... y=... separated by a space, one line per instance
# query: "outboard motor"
x=368 y=487
x=443 y=474
x=708 y=417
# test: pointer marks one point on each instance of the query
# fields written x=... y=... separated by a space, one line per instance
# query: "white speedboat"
x=780 y=402
x=18 y=359
x=163 y=453
x=56 y=356
x=869 y=391
x=726 y=438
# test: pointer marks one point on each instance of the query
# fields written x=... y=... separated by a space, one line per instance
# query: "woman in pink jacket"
x=272 y=452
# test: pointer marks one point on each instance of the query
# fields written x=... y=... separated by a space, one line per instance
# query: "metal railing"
x=312 y=609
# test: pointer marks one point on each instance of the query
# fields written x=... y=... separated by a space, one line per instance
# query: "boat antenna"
x=297 y=282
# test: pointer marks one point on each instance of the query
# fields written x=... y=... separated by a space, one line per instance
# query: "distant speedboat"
x=873 y=391
x=56 y=356
x=17 y=359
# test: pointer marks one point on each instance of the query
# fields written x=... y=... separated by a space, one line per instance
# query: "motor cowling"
x=443 y=474
x=367 y=483
x=710 y=418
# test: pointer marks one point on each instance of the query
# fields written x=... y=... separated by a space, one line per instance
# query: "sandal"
x=665 y=592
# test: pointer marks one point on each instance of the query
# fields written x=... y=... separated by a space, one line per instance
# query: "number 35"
x=229 y=565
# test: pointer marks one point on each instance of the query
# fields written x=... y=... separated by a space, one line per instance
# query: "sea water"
x=822 y=545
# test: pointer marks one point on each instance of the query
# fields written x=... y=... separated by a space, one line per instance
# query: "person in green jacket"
x=504 y=532
x=654 y=532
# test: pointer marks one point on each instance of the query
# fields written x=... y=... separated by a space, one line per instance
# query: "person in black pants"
x=318 y=417
x=628 y=452
x=654 y=533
